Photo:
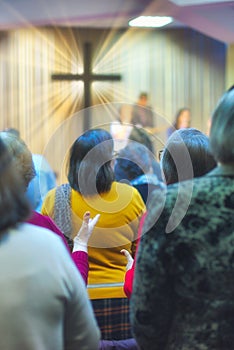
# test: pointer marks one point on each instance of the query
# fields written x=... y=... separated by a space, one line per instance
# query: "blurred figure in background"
x=182 y=120
x=142 y=114
x=43 y=181
x=121 y=128
x=134 y=165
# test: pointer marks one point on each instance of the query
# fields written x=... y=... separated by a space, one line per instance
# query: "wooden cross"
x=87 y=77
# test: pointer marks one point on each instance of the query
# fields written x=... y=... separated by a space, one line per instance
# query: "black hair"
x=141 y=136
x=134 y=160
x=143 y=94
x=90 y=170
x=14 y=207
x=13 y=131
x=186 y=155
x=222 y=129
x=177 y=117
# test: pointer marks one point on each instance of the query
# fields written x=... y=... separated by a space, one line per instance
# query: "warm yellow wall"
x=230 y=66
x=176 y=67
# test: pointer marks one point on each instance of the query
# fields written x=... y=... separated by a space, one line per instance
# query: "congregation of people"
x=135 y=251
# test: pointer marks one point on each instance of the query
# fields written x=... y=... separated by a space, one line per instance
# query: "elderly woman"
x=22 y=158
x=43 y=300
x=183 y=287
x=92 y=188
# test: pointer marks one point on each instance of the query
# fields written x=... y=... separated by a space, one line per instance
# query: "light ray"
x=29 y=25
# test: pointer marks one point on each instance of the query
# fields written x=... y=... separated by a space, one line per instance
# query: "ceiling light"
x=150 y=21
x=196 y=2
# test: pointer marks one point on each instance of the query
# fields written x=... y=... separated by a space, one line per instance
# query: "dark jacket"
x=183 y=295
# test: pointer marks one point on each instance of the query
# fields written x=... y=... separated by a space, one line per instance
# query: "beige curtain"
x=177 y=67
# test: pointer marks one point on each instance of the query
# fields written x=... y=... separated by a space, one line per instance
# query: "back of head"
x=134 y=160
x=141 y=136
x=222 y=129
x=14 y=207
x=186 y=155
x=21 y=156
x=13 y=131
x=89 y=170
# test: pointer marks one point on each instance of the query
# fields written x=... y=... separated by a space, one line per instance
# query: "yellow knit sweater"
x=121 y=209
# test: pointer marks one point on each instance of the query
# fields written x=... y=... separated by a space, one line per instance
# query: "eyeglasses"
x=115 y=154
x=160 y=153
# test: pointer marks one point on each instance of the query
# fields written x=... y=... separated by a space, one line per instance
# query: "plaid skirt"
x=112 y=316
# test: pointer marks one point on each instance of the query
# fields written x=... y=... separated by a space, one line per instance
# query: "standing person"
x=43 y=180
x=92 y=188
x=185 y=148
x=143 y=121
x=183 y=287
x=42 y=183
x=43 y=299
x=22 y=158
x=142 y=114
x=182 y=120
x=121 y=128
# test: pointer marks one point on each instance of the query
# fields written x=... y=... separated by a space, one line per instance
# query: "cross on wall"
x=87 y=77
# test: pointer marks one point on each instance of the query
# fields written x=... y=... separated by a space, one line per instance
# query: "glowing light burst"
x=58 y=100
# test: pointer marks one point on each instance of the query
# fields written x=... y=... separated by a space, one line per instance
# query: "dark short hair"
x=13 y=131
x=14 y=207
x=222 y=129
x=89 y=169
x=143 y=94
x=134 y=160
x=186 y=155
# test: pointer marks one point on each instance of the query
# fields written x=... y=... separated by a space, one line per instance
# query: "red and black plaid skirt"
x=113 y=318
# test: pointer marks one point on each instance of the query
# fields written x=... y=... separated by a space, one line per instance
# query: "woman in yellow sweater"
x=92 y=188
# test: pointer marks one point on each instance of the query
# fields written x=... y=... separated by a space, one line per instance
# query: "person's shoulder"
x=48 y=202
x=36 y=219
x=40 y=220
x=38 y=235
x=50 y=196
x=40 y=162
x=182 y=196
x=52 y=192
x=129 y=193
x=125 y=189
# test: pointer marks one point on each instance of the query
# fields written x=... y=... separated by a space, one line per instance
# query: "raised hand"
x=129 y=258
x=82 y=237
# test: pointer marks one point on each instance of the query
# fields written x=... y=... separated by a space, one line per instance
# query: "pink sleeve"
x=129 y=276
x=128 y=283
x=80 y=259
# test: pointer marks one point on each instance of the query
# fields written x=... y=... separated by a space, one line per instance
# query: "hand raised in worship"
x=82 y=237
x=129 y=258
